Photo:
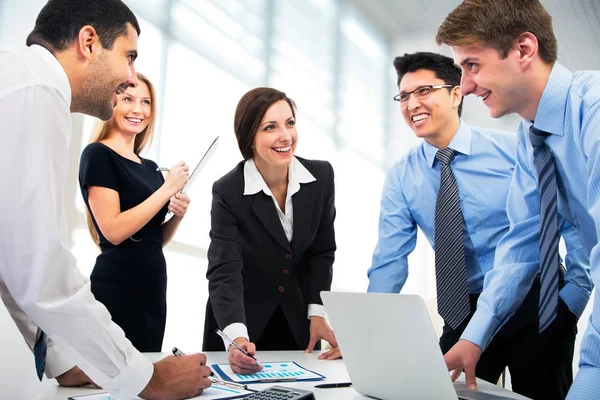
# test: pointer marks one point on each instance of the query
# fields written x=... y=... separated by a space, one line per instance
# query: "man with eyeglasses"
x=453 y=186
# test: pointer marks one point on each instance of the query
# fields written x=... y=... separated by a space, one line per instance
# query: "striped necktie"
x=544 y=164
x=39 y=352
x=450 y=265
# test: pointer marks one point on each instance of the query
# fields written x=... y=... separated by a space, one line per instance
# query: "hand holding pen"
x=176 y=177
x=213 y=380
x=178 y=378
x=241 y=355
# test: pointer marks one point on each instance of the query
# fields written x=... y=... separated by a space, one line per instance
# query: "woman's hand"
x=177 y=177
x=241 y=363
x=331 y=354
x=319 y=329
x=179 y=204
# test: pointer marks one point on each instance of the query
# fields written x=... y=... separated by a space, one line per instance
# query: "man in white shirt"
x=79 y=56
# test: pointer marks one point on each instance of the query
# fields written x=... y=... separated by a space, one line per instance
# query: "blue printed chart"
x=272 y=372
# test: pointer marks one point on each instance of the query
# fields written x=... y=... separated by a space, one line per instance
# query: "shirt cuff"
x=585 y=386
x=316 y=310
x=57 y=363
x=575 y=298
x=132 y=380
x=481 y=329
x=234 y=331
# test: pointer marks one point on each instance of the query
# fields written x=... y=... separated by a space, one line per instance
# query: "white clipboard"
x=209 y=153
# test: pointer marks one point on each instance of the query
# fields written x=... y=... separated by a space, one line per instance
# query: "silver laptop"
x=390 y=348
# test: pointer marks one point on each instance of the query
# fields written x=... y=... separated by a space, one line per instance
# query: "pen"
x=234 y=344
x=177 y=352
x=267 y=380
x=333 y=385
x=162 y=169
x=232 y=385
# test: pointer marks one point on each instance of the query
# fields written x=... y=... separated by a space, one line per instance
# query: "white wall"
x=17 y=19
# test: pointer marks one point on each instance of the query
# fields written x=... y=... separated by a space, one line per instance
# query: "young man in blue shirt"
x=507 y=51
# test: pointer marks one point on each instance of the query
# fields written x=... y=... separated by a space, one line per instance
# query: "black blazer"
x=252 y=268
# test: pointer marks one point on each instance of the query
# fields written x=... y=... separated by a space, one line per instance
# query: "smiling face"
x=276 y=138
x=497 y=81
x=434 y=117
x=134 y=110
x=110 y=75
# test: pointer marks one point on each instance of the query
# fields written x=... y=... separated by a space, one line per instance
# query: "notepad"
x=209 y=153
x=203 y=161
x=215 y=392
x=279 y=371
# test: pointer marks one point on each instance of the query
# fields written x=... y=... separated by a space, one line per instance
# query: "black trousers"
x=540 y=364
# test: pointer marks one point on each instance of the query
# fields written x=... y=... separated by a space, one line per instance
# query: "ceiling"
x=576 y=24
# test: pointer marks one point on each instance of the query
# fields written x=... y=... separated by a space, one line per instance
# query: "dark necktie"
x=544 y=164
x=39 y=352
x=450 y=265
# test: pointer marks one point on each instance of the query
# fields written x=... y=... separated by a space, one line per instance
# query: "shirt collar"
x=254 y=182
x=550 y=115
x=461 y=142
x=61 y=75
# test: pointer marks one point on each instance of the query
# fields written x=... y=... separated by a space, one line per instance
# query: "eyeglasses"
x=420 y=93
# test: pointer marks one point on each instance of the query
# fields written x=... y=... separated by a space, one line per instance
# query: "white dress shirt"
x=254 y=183
x=42 y=285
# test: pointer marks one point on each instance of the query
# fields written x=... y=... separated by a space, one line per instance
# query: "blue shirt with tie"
x=482 y=168
x=569 y=110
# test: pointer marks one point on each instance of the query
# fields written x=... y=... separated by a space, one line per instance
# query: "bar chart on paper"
x=272 y=372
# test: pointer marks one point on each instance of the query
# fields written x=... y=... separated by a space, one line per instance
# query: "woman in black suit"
x=272 y=238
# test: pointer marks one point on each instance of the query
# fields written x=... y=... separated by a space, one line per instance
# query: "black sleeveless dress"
x=130 y=279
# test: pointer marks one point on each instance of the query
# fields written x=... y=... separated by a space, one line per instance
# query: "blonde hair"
x=143 y=139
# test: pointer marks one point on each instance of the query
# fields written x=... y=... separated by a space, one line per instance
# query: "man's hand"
x=319 y=329
x=176 y=378
x=75 y=377
x=331 y=354
x=241 y=363
x=463 y=355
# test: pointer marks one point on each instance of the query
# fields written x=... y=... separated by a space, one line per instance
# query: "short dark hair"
x=497 y=23
x=443 y=67
x=59 y=22
x=249 y=113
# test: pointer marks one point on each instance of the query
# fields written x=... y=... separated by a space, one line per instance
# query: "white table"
x=335 y=371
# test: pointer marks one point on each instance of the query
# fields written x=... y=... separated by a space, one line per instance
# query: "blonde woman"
x=127 y=199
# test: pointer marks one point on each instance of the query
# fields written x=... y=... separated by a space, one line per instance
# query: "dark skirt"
x=131 y=281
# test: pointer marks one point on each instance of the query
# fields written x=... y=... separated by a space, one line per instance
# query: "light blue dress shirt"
x=569 y=109
x=482 y=168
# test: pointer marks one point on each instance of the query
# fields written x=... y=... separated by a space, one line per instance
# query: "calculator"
x=282 y=393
